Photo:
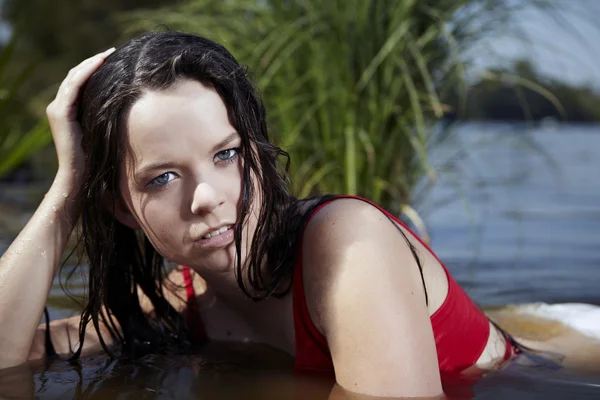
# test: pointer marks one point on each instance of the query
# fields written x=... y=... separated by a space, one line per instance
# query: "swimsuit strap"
x=189 y=287
x=192 y=314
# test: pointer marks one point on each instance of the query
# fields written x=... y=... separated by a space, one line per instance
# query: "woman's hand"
x=62 y=115
x=29 y=265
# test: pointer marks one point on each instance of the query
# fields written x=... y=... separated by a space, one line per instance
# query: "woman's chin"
x=220 y=259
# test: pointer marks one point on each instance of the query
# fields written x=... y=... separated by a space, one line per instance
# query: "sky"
x=566 y=48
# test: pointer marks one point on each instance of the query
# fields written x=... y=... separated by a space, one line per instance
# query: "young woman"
x=164 y=155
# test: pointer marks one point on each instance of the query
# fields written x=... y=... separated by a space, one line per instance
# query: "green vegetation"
x=17 y=142
x=53 y=36
x=355 y=89
x=352 y=87
x=61 y=33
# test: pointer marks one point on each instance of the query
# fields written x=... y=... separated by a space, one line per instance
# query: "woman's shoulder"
x=343 y=231
x=362 y=286
x=338 y=206
x=339 y=219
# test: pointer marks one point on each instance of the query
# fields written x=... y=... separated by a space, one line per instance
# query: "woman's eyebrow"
x=161 y=165
x=224 y=142
x=150 y=167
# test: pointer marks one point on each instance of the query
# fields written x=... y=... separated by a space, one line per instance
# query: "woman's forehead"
x=187 y=114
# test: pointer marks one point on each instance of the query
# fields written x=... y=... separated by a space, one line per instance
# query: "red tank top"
x=192 y=316
x=460 y=328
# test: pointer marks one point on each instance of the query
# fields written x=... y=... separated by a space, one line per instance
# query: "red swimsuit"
x=461 y=330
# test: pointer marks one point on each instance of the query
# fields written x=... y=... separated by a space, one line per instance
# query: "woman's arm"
x=365 y=294
x=28 y=268
x=64 y=333
x=30 y=263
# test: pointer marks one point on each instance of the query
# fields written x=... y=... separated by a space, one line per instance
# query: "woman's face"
x=182 y=177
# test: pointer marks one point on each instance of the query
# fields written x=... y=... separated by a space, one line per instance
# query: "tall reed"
x=353 y=88
x=16 y=144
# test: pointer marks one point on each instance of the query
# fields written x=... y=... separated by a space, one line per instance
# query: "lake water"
x=527 y=226
x=515 y=216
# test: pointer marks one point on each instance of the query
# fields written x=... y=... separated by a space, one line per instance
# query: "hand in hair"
x=62 y=115
x=29 y=265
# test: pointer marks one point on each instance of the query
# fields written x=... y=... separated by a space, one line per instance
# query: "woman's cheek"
x=160 y=230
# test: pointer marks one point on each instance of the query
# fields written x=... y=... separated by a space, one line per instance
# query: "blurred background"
x=477 y=120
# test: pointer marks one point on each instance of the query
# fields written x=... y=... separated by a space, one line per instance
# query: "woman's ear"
x=117 y=206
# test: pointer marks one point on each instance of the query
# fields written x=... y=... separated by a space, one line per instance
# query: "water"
x=525 y=228
x=528 y=228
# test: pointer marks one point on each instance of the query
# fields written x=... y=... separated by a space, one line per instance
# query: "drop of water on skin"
x=65 y=195
x=44 y=254
x=54 y=208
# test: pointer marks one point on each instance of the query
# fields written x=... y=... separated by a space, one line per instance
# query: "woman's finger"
x=77 y=76
x=84 y=63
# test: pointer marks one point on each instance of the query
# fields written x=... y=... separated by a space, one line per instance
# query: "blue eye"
x=227 y=155
x=161 y=180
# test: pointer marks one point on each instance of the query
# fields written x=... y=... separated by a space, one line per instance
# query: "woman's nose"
x=205 y=199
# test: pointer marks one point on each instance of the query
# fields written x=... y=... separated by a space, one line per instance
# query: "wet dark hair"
x=120 y=259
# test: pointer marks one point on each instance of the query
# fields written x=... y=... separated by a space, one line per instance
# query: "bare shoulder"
x=341 y=221
x=174 y=290
x=353 y=238
x=364 y=293
x=175 y=277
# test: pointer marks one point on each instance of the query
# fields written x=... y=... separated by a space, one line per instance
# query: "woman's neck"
x=271 y=320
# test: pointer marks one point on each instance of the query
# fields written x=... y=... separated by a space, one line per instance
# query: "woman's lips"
x=220 y=240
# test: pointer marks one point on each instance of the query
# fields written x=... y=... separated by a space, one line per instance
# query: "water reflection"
x=223 y=374
x=211 y=374
x=527 y=379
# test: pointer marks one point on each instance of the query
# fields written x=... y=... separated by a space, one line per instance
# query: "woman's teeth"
x=217 y=232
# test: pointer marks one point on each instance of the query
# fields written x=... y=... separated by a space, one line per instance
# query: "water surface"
x=516 y=219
